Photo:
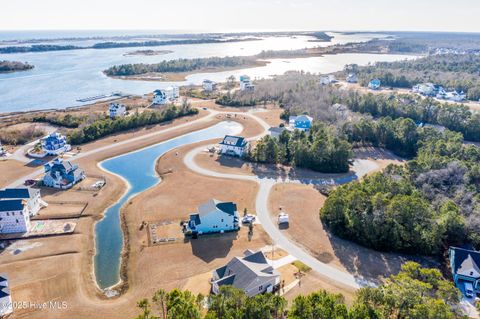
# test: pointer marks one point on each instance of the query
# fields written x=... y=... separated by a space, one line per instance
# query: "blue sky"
x=238 y=15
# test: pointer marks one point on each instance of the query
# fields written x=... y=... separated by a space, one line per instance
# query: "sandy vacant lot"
x=63 y=265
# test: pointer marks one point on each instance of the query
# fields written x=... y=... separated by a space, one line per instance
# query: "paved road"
x=360 y=168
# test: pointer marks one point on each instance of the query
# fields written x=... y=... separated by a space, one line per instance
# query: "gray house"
x=250 y=273
x=465 y=269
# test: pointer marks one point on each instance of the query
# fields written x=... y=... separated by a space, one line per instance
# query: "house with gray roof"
x=250 y=273
x=6 y=306
x=214 y=217
x=62 y=174
x=465 y=267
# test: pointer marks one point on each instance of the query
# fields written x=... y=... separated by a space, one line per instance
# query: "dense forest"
x=38 y=48
x=180 y=65
x=11 y=66
x=106 y=126
x=415 y=292
x=454 y=71
x=322 y=149
x=429 y=204
x=68 y=120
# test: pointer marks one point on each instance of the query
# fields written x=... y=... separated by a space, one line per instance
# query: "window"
x=222 y=220
x=260 y=288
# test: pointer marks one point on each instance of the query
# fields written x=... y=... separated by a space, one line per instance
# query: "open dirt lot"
x=63 y=268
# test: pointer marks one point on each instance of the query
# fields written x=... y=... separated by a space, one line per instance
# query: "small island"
x=178 y=70
x=13 y=66
x=148 y=52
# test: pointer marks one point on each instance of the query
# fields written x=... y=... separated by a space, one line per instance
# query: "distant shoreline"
x=147 y=52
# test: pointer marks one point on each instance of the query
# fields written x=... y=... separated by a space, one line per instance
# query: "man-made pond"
x=138 y=170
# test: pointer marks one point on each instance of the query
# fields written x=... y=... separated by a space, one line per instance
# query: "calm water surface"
x=60 y=78
x=138 y=169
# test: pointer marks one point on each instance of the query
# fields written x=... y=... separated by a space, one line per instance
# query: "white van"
x=468 y=289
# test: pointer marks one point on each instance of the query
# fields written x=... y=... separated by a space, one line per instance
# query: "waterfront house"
x=62 y=174
x=55 y=144
x=6 y=305
x=29 y=195
x=301 y=122
x=464 y=264
x=214 y=217
x=160 y=97
x=167 y=95
x=250 y=273
x=352 y=78
x=117 y=110
x=233 y=145
x=246 y=84
x=374 y=84
x=209 y=86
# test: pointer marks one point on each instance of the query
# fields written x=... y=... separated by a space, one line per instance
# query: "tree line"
x=322 y=149
x=415 y=292
x=180 y=65
x=454 y=71
x=107 y=126
x=429 y=204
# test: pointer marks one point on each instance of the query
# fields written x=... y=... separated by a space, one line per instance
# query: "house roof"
x=244 y=272
x=300 y=118
x=465 y=262
x=215 y=205
x=11 y=205
x=231 y=140
x=23 y=192
x=4 y=290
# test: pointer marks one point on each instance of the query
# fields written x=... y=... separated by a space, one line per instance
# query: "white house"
x=31 y=196
x=6 y=305
x=327 y=79
x=352 y=78
x=250 y=273
x=465 y=264
x=62 y=174
x=214 y=217
x=209 y=86
x=233 y=145
x=427 y=89
x=246 y=83
x=117 y=110
x=55 y=144
x=301 y=122
x=164 y=96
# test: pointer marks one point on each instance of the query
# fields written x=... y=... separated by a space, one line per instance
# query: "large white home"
x=300 y=122
x=250 y=273
x=6 y=305
x=62 y=174
x=233 y=145
x=214 y=217
x=117 y=110
x=209 y=85
x=246 y=84
x=17 y=205
x=55 y=144
x=167 y=95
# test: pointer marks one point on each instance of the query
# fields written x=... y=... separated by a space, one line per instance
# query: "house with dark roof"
x=17 y=205
x=233 y=145
x=214 y=217
x=250 y=273
x=62 y=174
x=465 y=267
x=117 y=110
x=6 y=306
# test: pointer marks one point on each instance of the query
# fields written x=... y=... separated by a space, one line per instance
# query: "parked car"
x=248 y=219
x=282 y=218
x=468 y=289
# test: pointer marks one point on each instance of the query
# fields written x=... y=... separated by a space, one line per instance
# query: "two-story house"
x=233 y=145
x=214 y=217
